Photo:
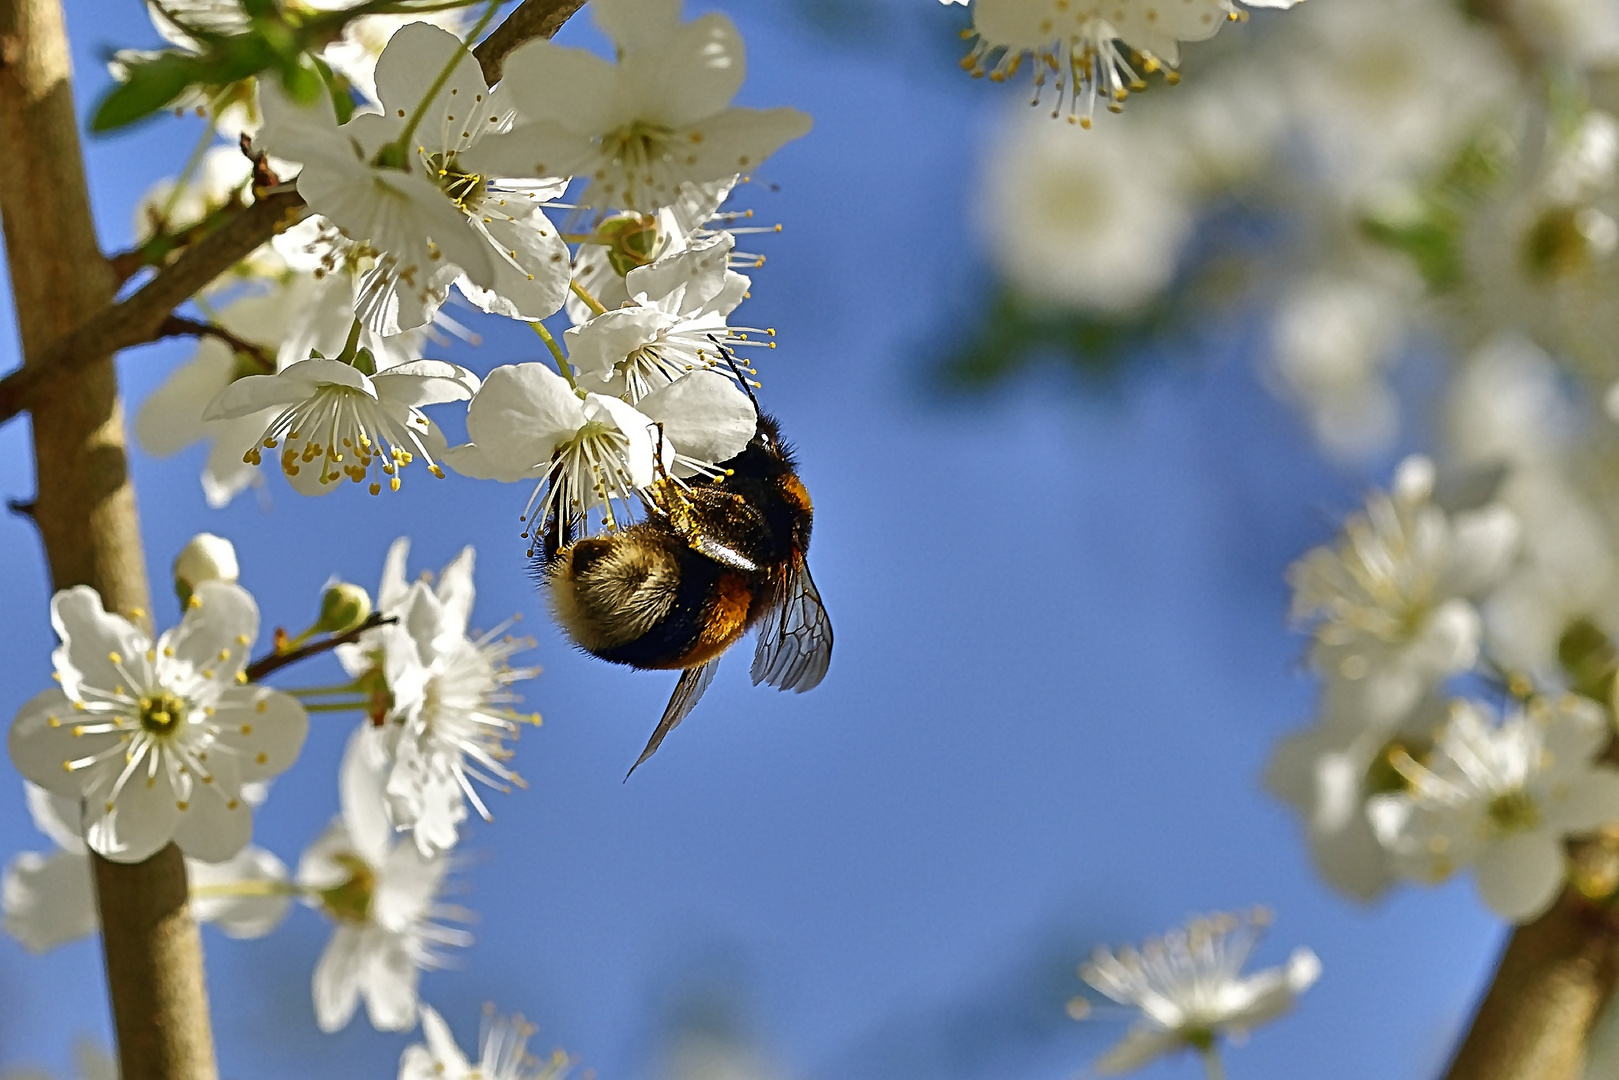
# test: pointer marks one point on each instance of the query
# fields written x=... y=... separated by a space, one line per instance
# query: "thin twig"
x=264 y=665
x=180 y=326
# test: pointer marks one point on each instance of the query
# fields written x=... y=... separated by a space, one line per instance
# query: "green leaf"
x=337 y=87
x=151 y=85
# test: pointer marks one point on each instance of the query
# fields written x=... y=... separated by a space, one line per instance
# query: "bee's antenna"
x=657 y=455
x=730 y=362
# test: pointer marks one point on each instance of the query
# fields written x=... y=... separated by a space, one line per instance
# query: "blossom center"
x=465 y=189
x=161 y=713
x=638 y=143
x=350 y=899
x=1567 y=240
x=1513 y=811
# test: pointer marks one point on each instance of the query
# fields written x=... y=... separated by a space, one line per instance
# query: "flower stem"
x=590 y=301
x=358 y=705
x=1211 y=1062
x=351 y=346
x=402 y=144
x=561 y=357
x=281 y=658
x=250 y=888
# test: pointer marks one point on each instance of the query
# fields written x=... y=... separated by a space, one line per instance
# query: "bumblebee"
x=712 y=560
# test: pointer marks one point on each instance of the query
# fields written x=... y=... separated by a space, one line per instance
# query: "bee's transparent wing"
x=795 y=638
x=693 y=681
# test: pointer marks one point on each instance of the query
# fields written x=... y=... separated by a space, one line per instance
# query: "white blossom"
x=49 y=898
x=624 y=241
x=1333 y=340
x=299 y=314
x=1503 y=798
x=1096 y=223
x=445 y=212
x=1081 y=45
x=1329 y=770
x=383 y=897
x=1389 y=605
x=445 y=707
x=363 y=427
x=639 y=129
x=674 y=323
x=502 y=1053
x=157 y=739
x=526 y=423
x=1190 y=988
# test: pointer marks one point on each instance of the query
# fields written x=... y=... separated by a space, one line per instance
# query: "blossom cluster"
x=146 y=742
x=441 y=182
x=578 y=188
x=1410 y=770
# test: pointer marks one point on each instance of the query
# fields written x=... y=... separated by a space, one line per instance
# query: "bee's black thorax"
x=764 y=480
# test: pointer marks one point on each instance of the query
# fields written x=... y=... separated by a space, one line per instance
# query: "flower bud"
x=206 y=558
x=343 y=607
x=630 y=239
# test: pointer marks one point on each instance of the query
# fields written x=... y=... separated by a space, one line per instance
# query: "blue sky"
x=1061 y=663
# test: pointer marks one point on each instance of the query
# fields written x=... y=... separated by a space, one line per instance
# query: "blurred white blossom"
x=1190 y=989
x=1095 y=222
x=1390 y=606
x=49 y=899
x=502 y=1053
x=1502 y=798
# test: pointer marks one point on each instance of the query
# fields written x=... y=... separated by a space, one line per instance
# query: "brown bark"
x=529 y=20
x=85 y=508
x=1555 y=977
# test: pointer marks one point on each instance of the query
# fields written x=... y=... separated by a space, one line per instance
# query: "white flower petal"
x=215 y=826
x=1589 y=802
x=690 y=75
x=531 y=270
x=704 y=415
x=57 y=816
x=170 y=419
x=1521 y=875
x=521 y=414
x=1139 y=1046
x=41 y=742
x=139 y=823
x=336 y=982
x=219 y=627
x=239 y=916
x=550 y=82
x=442 y=1044
x=91 y=637
x=48 y=900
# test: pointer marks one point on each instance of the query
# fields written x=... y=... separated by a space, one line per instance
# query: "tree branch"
x=531 y=19
x=140 y=317
x=178 y=326
x=1555 y=976
x=85 y=508
x=275 y=661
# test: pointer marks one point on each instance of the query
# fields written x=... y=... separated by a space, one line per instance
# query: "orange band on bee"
x=726 y=619
x=794 y=492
